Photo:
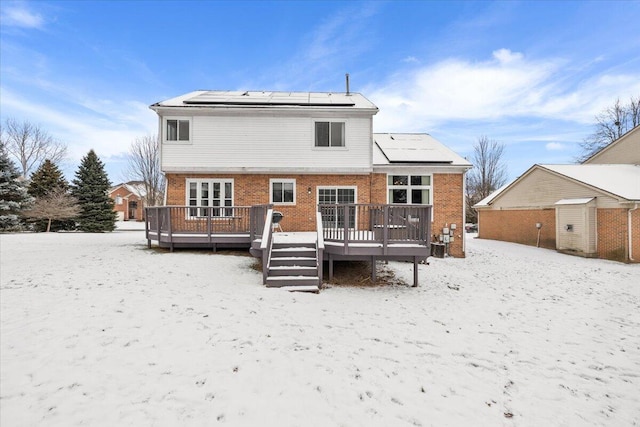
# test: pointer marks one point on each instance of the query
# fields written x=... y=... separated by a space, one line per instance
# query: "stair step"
x=293 y=245
x=293 y=261
x=289 y=251
x=293 y=270
x=280 y=281
x=311 y=288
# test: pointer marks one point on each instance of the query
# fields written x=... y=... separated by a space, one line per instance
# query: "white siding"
x=582 y=238
x=541 y=189
x=264 y=142
x=625 y=150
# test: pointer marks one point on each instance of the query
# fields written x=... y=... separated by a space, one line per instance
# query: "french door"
x=335 y=217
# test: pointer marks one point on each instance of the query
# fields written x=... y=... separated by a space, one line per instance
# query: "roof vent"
x=347 y=81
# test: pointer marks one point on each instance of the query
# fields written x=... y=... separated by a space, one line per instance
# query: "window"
x=118 y=200
x=283 y=191
x=329 y=134
x=209 y=195
x=409 y=189
x=177 y=130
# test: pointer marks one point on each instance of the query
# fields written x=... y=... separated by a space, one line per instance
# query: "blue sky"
x=531 y=75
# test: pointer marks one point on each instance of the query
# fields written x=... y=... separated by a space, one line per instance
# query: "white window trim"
x=340 y=187
x=410 y=187
x=210 y=181
x=331 y=120
x=164 y=129
x=283 y=181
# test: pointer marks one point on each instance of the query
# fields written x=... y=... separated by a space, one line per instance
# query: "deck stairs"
x=294 y=266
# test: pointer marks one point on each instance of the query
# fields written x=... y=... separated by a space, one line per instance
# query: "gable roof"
x=422 y=148
x=133 y=187
x=621 y=181
x=619 y=150
x=273 y=99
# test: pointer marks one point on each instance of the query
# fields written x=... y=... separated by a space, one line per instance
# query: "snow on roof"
x=202 y=98
x=413 y=148
x=487 y=200
x=582 y=201
x=620 y=180
x=133 y=187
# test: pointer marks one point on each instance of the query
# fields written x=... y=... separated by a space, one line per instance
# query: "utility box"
x=437 y=250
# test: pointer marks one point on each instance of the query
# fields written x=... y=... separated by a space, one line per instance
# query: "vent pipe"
x=347 y=80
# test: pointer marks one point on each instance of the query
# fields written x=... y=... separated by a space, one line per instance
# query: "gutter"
x=630 y=233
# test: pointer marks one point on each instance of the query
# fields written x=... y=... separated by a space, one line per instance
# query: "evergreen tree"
x=90 y=188
x=13 y=193
x=48 y=180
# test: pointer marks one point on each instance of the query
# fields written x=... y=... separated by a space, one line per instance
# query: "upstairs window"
x=178 y=130
x=329 y=134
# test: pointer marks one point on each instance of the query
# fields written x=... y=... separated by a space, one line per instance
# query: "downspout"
x=630 y=233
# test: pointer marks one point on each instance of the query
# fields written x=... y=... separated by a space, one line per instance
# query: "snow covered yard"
x=98 y=330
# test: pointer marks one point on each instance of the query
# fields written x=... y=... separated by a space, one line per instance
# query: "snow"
x=95 y=329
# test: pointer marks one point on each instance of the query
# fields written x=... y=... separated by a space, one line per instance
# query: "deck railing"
x=206 y=220
x=376 y=223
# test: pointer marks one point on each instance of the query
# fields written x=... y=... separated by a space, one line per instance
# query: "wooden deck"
x=343 y=232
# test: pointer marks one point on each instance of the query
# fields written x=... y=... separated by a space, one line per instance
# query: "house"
x=129 y=200
x=306 y=155
x=588 y=209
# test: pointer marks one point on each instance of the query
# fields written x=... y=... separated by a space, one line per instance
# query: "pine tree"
x=90 y=188
x=13 y=193
x=48 y=180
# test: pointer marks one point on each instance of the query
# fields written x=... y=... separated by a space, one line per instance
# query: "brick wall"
x=635 y=234
x=447 y=208
x=612 y=234
x=124 y=207
x=253 y=189
x=518 y=226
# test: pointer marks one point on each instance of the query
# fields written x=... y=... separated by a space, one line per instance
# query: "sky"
x=530 y=75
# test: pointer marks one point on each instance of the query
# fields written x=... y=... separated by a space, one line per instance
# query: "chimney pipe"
x=347 y=78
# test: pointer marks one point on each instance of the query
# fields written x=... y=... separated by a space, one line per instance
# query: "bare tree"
x=611 y=124
x=488 y=174
x=144 y=165
x=30 y=145
x=56 y=205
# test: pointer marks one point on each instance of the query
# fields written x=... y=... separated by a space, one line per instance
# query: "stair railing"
x=319 y=247
x=265 y=245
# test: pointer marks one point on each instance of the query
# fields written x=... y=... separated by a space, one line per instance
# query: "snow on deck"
x=98 y=330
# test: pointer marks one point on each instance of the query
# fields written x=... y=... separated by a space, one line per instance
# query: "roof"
x=133 y=187
x=228 y=98
x=487 y=200
x=394 y=148
x=582 y=201
x=631 y=137
x=620 y=180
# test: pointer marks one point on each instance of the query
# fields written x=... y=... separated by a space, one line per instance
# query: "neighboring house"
x=298 y=150
x=590 y=209
x=129 y=200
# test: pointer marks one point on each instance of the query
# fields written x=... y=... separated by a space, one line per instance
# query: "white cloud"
x=554 y=146
x=17 y=15
x=508 y=85
x=108 y=133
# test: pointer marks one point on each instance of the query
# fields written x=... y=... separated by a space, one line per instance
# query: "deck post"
x=209 y=227
x=385 y=229
x=373 y=269
x=158 y=223
x=415 y=271
x=346 y=228
x=330 y=267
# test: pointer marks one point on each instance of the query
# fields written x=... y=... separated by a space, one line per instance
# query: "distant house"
x=590 y=209
x=299 y=150
x=129 y=200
